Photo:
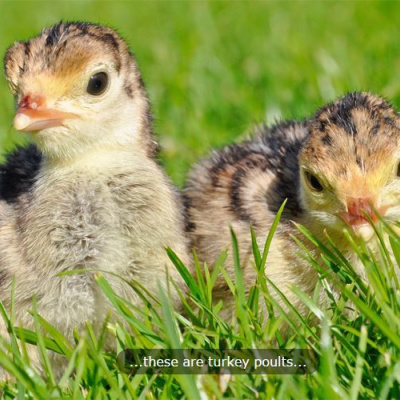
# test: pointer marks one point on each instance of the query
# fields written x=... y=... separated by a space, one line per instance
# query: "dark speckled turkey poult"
x=334 y=169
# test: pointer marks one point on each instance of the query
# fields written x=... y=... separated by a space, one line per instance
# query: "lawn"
x=213 y=69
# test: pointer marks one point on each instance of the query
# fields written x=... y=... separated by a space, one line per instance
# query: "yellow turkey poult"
x=100 y=200
x=335 y=169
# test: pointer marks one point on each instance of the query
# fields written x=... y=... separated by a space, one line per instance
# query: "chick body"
x=349 y=151
x=99 y=200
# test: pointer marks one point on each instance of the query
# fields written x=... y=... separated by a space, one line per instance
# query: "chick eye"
x=398 y=170
x=314 y=183
x=97 y=84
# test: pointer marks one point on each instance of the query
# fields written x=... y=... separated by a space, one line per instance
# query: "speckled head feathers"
x=349 y=163
x=51 y=73
x=65 y=49
x=358 y=131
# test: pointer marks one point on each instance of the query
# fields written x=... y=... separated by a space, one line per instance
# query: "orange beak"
x=33 y=116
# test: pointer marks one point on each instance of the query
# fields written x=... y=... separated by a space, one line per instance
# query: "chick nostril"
x=31 y=102
x=25 y=102
x=358 y=207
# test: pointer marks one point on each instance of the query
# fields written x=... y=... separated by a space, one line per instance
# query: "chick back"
x=243 y=184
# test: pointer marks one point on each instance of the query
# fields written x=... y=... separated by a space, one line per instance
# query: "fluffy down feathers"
x=93 y=196
x=333 y=168
x=19 y=171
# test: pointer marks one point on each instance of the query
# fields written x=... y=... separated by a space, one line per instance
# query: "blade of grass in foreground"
x=31 y=381
x=392 y=376
x=240 y=298
x=293 y=310
x=123 y=307
x=335 y=262
x=8 y=322
x=330 y=387
x=187 y=381
x=42 y=347
x=71 y=364
x=395 y=245
x=31 y=337
x=271 y=235
x=387 y=329
x=356 y=387
x=185 y=273
x=255 y=248
x=261 y=267
x=64 y=347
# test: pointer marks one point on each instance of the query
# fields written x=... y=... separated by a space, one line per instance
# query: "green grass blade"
x=185 y=273
x=271 y=233
x=356 y=387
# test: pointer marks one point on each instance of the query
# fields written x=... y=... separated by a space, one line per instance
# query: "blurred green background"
x=213 y=69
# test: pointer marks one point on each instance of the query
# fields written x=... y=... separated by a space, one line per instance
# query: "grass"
x=359 y=350
x=212 y=69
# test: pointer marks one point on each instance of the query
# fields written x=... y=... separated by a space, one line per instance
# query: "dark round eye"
x=97 y=84
x=314 y=183
x=398 y=170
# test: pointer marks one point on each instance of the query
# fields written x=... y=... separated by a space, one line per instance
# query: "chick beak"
x=359 y=212
x=33 y=115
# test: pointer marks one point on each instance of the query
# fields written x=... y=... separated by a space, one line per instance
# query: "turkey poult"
x=99 y=199
x=333 y=169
